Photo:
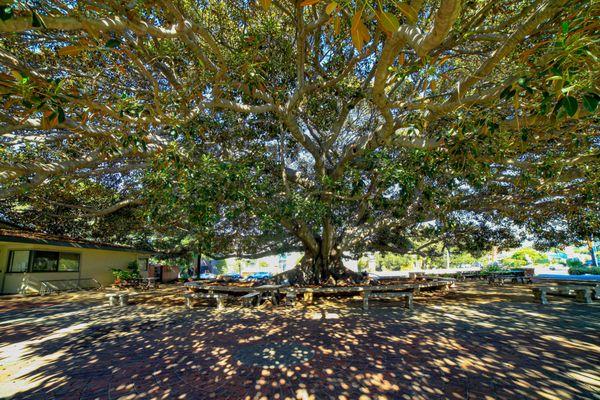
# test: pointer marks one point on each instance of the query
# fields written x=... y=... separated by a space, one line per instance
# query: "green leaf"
x=6 y=13
x=409 y=12
x=331 y=7
x=565 y=28
x=61 y=115
x=112 y=43
x=590 y=101
x=507 y=93
x=545 y=103
x=389 y=22
x=569 y=103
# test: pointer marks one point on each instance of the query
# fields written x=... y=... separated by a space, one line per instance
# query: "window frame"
x=30 y=261
x=146 y=261
x=11 y=256
x=33 y=257
x=60 y=253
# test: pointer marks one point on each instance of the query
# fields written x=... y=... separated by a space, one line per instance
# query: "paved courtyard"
x=478 y=342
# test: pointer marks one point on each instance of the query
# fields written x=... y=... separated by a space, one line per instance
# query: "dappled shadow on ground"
x=464 y=345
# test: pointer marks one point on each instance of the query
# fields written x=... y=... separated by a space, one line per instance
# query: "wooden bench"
x=407 y=296
x=251 y=299
x=218 y=297
x=122 y=298
x=583 y=294
x=499 y=280
x=290 y=298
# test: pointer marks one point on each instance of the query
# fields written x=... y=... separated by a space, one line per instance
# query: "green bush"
x=220 y=266
x=514 y=262
x=363 y=264
x=134 y=269
x=393 y=262
x=121 y=275
x=132 y=272
x=581 y=270
x=488 y=269
x=574 y=262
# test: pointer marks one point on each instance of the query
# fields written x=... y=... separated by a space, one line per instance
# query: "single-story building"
x=27 y=259
x=164 y=273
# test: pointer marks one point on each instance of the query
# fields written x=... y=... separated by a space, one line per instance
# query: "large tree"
x=328 y=126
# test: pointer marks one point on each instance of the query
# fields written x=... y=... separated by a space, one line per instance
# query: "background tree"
x=327 y=126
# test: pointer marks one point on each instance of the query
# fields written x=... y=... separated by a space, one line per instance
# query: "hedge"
x=584 y=270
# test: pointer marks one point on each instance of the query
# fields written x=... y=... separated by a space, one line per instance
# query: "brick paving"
x=476 y=343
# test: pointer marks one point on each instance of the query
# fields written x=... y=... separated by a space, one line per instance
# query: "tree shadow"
x=446 y=348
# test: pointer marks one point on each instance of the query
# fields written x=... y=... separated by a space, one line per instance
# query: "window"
x=68 y=262
x=18 y=261
x=44 y=261
x=143 y=264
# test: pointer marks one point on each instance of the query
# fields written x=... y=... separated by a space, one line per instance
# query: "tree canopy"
x=242 y=127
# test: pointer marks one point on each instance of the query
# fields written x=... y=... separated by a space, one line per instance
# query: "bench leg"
x=188 y=302
x=409 y=302
x=251 y=302
x=584 y=296
x=417 y=290
x=290 y=299
x=220 y=304
x=596 y=292
x=123 y=299
x=308 y=298
x=366 y=300
x=113 y=301
x=540 y=296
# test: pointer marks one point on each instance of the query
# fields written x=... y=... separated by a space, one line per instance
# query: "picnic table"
x=257 y=294
x=139 y=283
x=463 y=276
x=251 y=293
x=562 y=284
x=500 y=277
x=365 y=290
x=583 y=294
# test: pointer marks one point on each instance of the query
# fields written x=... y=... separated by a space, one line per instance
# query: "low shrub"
x=122 y=275
x=488 y=269
x=574 y=262
x=581 y=270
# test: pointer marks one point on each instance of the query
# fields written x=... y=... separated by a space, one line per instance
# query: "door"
x=158 y=272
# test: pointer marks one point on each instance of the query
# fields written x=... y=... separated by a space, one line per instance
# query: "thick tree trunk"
x=319 y=268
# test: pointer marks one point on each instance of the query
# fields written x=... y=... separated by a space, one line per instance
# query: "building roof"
x=23 y=236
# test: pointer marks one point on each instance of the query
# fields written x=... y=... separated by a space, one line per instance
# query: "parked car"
x=259 y=276
x=232 y=277
x=207 y=275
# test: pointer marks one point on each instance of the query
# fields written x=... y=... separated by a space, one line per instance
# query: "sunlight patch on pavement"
x=572 y=343
x=323 y=315
x=18 y=363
